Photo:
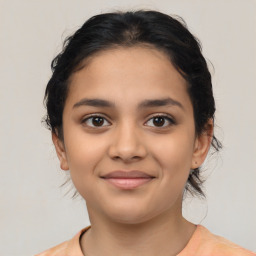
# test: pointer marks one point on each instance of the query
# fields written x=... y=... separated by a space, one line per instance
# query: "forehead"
x=128 y=73
x=137 y=60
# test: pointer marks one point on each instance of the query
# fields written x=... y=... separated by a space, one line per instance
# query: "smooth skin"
x=129 y=134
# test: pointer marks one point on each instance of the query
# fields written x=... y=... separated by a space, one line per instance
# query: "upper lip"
x=127 y=174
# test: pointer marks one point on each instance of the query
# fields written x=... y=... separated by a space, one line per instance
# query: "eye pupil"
x=158 y=121
x=97 y=121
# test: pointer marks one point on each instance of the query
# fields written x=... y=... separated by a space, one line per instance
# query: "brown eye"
x=160 y=121
x=95 y=121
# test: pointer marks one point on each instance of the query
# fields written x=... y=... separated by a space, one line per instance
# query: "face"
x=129 y=135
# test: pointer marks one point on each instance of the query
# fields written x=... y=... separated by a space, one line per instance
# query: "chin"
x=131 y=215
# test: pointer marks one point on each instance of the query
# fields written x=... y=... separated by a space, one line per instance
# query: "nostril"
x=127 y=149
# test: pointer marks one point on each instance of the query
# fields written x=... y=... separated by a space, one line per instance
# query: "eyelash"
x=164 y=116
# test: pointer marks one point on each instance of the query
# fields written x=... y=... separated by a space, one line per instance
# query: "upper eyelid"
x=163 y=115
x=96 y=115
x=107 y=117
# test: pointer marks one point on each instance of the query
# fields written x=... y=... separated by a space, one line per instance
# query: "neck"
x=165 y=235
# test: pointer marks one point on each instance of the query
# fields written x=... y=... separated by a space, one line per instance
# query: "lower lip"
x=128 y=183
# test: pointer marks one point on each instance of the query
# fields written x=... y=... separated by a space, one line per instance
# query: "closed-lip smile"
x=127 y=174
x=127 y=179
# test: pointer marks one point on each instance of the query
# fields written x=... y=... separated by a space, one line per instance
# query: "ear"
x=60 y=150
x=202 y=145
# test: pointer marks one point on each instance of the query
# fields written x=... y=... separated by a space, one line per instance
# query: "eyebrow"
x=144 y=104
x=160 y=103
x=94 y=103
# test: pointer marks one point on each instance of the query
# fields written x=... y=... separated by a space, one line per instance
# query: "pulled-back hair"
x=128 y=29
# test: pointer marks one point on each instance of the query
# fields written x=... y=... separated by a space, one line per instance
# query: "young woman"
x=131 y=111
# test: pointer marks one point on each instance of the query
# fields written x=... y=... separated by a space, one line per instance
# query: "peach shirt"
x=202 y=243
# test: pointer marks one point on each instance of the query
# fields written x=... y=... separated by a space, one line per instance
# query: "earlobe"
x=202 y=145
x=60 y=150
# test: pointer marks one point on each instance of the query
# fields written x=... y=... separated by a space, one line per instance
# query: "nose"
x=127 y=144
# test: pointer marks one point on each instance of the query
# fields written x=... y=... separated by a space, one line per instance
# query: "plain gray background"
x=35 y=214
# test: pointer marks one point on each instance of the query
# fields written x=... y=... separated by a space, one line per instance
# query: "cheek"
x=174 y=153
x=83 y=156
